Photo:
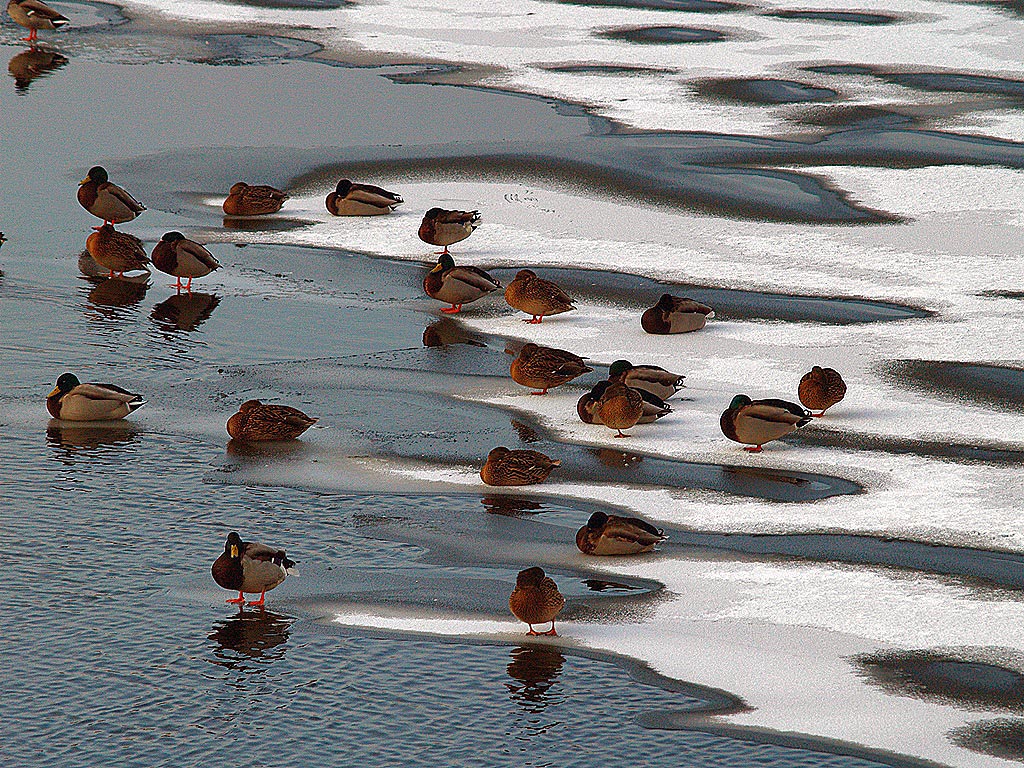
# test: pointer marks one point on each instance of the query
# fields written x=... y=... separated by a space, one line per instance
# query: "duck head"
x=65 y=383
x=531 y=577
x=618 y=368
x=445 y=261
x=97 y=175
x=233 y=546
x=597 y=521
x=739 y=401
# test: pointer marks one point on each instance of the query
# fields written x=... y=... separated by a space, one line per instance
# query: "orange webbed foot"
x=752 y=448
x=453 y=309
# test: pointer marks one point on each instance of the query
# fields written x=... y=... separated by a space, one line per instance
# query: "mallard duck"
x=756 y=422
x=646 y=378
x=255 y=200
x=675 y=315
x=821 y=388
x=536 y=600
x=654 y=407
x=3 y=239
x=72 y=400
x=546 y=367
x=184 y=311
x=613 y=535
x=457 y=285
x=33 y=63
x=505 y=467
x=256 y=421
x=248 y=566
x=117 y=251
x=180 y=257
x=619 y=407
x=105 y=200
x=361 y=200
x=441 y=227
x=536 y=296
x=34 y=15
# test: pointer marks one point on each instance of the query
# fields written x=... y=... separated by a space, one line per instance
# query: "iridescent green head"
x=739 y=401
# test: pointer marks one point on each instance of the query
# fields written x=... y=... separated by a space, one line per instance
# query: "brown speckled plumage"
x=506 y=467
x=117 y=251
x=536 y=599
x=649 y=378
x=536 y=296
x=654 y=407
x=546 y=367
x=256 y=421
x=253 y=200
x=821 y=388
x=619 y=407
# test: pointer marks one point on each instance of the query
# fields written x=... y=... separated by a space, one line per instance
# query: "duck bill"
x=84 y=181
x=56 y=391
x=234 y=551
x=438 y=268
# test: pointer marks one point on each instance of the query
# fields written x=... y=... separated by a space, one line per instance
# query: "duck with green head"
x=756 y=422
x=457 y=285
x=72 y=400
x=248 y=566
x=105 y=200
x=649 y=378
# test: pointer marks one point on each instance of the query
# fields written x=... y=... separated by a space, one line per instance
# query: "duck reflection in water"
x=447 y=331
x=511 y=506
x=118 y=294
x=250 y=636
x=77 y=437
x=33 y=63
x=535 y=669
x=184 y=311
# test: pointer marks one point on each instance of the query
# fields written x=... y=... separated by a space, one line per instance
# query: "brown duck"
x=505 y=467
x=613 y=535
x=254 y=200
x=675 y=315
x=105 y=200
x=647 y=378
x=536 y=600
x=441 y=227
x=620 y=407
x=821 y=388
x=546 y=367
x=351 y=199
x=256 y=421
x=34 y=15
x=248 y=566
x=654 y=407
x=536 y=296
x=180 y=257
x=117 y=251
x=756 y=422
x=457 y=285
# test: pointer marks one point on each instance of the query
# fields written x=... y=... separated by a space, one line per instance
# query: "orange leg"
x=542 y=392
x=453 y=309
x=259 y=602
x=535 y=321
x=753 y=448
x=237 y=600
x=532 y=632
x=618 y=435
x=438 y=253
x=32 y=35
x=551 y=632
x=189 y=286
x=818 y=415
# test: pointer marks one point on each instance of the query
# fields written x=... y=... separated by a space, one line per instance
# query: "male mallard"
x=654 y=406
x=72 y=400
x=256 y=421
x=756 y=422
x=647 y=378
x=536 y=600
x=613 y=535
x=117 y=251
x=505 y=467
x=675 y=315
x=34 y=15
x=33 y=63
x=441 y=227
x=619 y=407
x=180 y=257
x=255 y=200
x=105 y=200
x=546 y=367
x=536 y=296
x=250 y=567
x=457 y=285
x=821 y=388
x=361 y=200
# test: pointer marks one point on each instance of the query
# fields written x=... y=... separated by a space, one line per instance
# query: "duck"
x=180 y=257
x=654 y=407
x=647 y=378
x=253 y=200
x=506 y=467
x=259 y=422
x=457 y=285
x=619 y=407
x=613 y=535
x=71 y=400
x=756 y=422
x=546 y=367
x=536 y=600
x=105 y=200
x=3 y=239
x=536 y=296
x=248 y=566
x=117 y=251
x=350 y=199
x=34 y=15
x=820 y=389
x=675 y=315
x=441 y=227
x=33 y=63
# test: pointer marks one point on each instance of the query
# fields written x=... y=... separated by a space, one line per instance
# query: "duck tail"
x=135 y=403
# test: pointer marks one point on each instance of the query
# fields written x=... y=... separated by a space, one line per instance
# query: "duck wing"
x=473 y=276
x=200 y=254
x=774 y=414
x=122 y=196
x=40 y=10
x=106 y=392
x=368 y=193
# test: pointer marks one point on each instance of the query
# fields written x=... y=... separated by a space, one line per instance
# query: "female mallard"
x=350 y=199
x=255 y=200
x=34 y=15
x=619 y=407
x=756 y=422
x=33 y=63
x=505 y=467
x=654 y=407
x=536 y=296
x=675 y=315
x=441 y=227
x=117 y=251
x=248 y=566
x=180 y=257
x=646 y=378
x=256 y=422
x=105 y=200
x=546 y=367
x=72 y=400
x=613 y=535
x=536 y=600
x=821 y=388
x=457 y=285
